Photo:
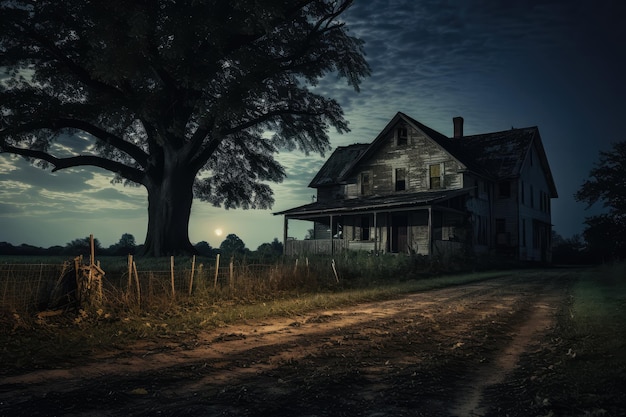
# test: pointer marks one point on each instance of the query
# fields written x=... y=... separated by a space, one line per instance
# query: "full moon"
x=218 y=232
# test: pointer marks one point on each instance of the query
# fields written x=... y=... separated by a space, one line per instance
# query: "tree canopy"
x=606 y=185
x=186 y=98
x=233 y=246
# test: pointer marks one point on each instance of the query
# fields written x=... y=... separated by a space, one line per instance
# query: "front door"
x=399 y=234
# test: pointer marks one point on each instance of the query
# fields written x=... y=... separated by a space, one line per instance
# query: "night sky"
x=558 y=65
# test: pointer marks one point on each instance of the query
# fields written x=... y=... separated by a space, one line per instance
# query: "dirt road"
x=436 y=353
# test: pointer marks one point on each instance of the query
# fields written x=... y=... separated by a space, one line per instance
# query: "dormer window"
x=402 y=136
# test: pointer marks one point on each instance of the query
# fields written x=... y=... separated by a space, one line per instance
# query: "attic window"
x=435 y=176
x=400 y=179
x=402 y=136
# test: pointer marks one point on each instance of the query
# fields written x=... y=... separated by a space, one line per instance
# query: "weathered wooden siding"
x=415 y=158
x=534 y=207
x=506 y=209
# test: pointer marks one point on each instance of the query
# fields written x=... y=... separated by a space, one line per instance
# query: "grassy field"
x=43 y=341
x=581 y=368
x=581 y=365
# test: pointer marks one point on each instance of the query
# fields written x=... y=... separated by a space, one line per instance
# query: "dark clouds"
x=556 y=64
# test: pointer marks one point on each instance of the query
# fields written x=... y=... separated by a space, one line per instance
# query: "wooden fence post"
x=217 y=269
x=193 y=267
x=130 y=271
x=172 y=274
x=137 y=284
x=92 y=250
x=231 y=280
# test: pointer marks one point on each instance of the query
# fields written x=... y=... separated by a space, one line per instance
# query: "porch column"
x=430 y=232
x=285 y=234
x=332 y=249
x=375 y=233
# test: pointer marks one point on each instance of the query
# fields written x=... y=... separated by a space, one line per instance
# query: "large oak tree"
x=185 y=97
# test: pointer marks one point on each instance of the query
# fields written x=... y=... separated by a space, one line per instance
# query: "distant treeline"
x=231 y=246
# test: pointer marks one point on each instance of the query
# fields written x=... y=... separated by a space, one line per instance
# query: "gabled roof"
x=497 y=155
x=380 y=139
x=501 y=155
x=334 y=169
x=374 y=202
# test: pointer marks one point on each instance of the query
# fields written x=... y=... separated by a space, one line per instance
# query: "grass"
x=45 y=342
x=583 y=363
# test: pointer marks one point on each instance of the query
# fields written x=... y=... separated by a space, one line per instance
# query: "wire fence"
x=24 y=287
x=28 y=288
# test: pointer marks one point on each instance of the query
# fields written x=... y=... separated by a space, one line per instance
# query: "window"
x=400 y=179
x=522 y=194
x=402 y=136
x=532 y=197
x=504 y=189
x=435 y=176
x=366 y=184
x=524 y=232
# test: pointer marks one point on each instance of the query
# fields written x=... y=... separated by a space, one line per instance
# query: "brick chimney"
x=458 y=126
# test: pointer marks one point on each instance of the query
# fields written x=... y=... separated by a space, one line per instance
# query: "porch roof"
x=373 y=203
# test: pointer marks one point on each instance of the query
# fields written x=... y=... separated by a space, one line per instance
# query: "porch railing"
x=319 y=246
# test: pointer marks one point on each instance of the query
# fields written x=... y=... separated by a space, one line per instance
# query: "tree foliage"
x=233 y=246
x=270 y=251
x=82 y=246
x=606 y=233
x=125 y=246
x=175 y=95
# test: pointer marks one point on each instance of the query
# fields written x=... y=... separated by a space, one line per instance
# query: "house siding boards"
x=412 y=190
x=415 y=158
x=535 y=209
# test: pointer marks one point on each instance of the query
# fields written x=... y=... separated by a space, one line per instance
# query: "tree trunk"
x=169 y=209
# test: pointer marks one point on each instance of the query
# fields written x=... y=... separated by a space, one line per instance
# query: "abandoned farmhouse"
x=414 y=190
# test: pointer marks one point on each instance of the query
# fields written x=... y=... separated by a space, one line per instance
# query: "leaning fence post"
x=193 y=267
x=137 y=283
x=172 y=275
x=217 y=270
x=335 y=270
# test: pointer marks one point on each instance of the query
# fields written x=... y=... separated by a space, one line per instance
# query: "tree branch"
x=125 y=171
x=117 y=142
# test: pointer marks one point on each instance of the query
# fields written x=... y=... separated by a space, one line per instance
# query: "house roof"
x=496 y=155
x=382 y=202
x=337 y=164
x=501 y=155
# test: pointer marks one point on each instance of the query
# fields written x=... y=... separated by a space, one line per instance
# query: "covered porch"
x=427 y=223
